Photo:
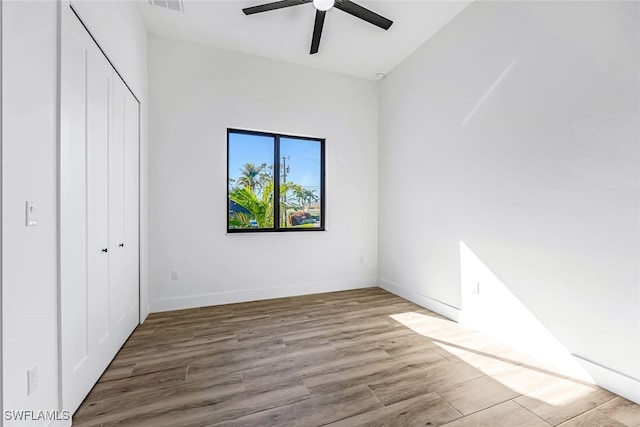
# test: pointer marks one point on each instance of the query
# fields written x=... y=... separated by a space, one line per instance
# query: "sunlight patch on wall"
x=490 y=307
x=489 y=91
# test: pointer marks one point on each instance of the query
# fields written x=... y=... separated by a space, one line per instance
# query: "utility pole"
x=285 y=170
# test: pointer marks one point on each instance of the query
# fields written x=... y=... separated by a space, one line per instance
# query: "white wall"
x=1 y=240
x=29 y=275
x=29 y=159
x=119 y=30
x=195 y=93
x=515 y=131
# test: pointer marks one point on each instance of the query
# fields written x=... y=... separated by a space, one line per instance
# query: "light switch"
x=32 y=217
x=33 y=378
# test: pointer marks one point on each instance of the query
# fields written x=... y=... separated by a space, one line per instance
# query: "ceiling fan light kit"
x=322 y=6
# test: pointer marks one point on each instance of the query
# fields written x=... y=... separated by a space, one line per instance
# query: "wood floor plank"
x=477 y=394
x=507 y=414
x=117 y=370
x=200 y=413
x=428 y=379
x=155 y=403
x=429 y=409
x=592 y=418
x=408 y=344
x=316 y=411
x=138 y=385
x=370 y=373
x=359 y=357
x=336 y=406
x=483 y=392
x=490 y=362
x=564 y=400
x=378 y=336
x=309 y=365
x=622 y=410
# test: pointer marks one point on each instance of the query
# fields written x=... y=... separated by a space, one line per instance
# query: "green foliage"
x=253 y=190
x=250 y=177
x=240 y=220
x=260 y=208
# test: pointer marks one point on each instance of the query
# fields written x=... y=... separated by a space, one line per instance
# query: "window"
x=263 y=168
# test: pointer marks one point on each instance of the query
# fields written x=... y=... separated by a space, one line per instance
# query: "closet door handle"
x=121 y=245
x=105 y=250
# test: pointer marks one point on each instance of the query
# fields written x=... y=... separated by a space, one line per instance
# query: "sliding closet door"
x=98 y=200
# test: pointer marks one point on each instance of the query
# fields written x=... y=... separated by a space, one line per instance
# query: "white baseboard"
x=616 y=382
x=144 y=312
x=436 y=306
x=204 y=300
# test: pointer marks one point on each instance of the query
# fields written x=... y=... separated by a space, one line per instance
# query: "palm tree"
x=298 y=193
x=250 y=176
x=309 y=196
x=266 y=175
x=286 y=188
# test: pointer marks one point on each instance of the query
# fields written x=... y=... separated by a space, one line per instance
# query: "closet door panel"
x=116 y=204
x=123 y=211
x=99 y=106
x=74 y=310
x=87 y=345
x=131 y=209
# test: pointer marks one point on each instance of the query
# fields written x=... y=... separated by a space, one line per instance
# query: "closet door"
x=75 y=326
x=98 y=294
x=99 y=89
x=131 y=227
x=123 y=210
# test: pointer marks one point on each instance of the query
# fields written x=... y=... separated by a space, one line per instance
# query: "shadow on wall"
x=490 y=307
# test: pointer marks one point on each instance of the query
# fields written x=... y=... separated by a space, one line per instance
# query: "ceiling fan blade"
x=365 y=14
x=317 y=31
x=273 y=6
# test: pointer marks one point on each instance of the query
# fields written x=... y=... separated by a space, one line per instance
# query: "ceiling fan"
x=321 y=9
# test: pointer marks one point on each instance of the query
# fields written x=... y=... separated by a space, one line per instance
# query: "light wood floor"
x=363 y=357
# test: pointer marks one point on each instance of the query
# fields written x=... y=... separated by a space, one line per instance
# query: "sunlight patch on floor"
x=507 y=366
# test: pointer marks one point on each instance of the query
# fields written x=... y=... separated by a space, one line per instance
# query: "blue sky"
x=303 y=157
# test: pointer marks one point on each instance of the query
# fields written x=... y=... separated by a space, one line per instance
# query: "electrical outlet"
x=361 y=260
x=33 y=378
x=476 y=288
x=175 y=274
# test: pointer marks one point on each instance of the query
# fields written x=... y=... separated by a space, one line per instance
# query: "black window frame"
x=276 y=190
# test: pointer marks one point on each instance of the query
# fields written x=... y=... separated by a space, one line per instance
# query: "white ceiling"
x=348 y=45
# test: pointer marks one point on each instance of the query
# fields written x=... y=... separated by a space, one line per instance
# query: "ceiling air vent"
x=168 y=4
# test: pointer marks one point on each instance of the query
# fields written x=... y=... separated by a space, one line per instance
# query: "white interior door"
x=74 y=259
x=116 y=203
x=99 y=307
x=131 y=223
x=99 y=114
x=123 y=210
